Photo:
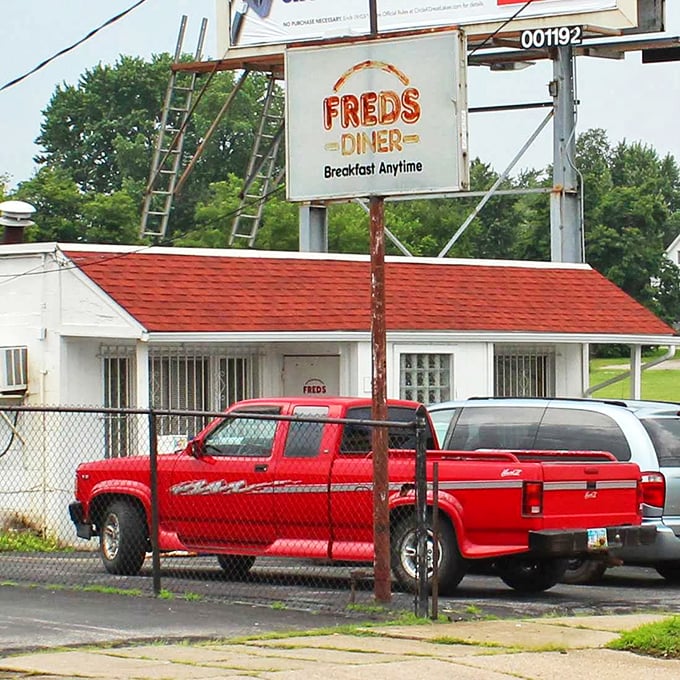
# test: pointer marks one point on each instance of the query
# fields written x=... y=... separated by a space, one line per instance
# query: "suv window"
x=502 y=427
x=441 y=419
x=665 y=434
x=580 y=430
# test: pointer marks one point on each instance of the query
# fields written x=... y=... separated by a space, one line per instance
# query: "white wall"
x=570 y=380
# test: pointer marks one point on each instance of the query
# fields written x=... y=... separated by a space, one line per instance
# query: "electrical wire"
x=13 y=429
x=93 y=32
x=7 y=278
x=501 y=27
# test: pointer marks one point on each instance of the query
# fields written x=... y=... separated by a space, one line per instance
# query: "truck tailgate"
x=590 y=494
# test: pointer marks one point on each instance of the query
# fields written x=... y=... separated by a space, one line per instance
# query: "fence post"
x=153 y=480
x=421 y=509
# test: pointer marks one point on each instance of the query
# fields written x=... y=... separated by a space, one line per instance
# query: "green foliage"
x=658 y=384
x=98 y=138
x=26 y=540
x=659 y=639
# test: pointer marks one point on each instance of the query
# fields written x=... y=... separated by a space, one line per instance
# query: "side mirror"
x=196 y=448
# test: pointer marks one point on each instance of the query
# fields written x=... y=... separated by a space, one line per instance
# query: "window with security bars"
x=198 y=382
x=522 y=373
x=180 y=381
x=118 y=382
x=425 y=377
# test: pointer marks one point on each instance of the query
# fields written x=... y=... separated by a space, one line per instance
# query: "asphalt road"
x=38 y=616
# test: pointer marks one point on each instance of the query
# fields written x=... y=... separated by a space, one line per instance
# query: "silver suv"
x=644 y=432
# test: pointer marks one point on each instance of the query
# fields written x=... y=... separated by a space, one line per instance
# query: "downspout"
x=626 y=374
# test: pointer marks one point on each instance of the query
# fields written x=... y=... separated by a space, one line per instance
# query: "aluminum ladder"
x=167 y=157
x=265 y=171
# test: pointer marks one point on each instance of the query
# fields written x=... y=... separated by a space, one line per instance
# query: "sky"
x=630 y=100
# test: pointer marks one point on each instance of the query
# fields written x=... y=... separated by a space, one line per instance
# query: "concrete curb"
x=539 y=649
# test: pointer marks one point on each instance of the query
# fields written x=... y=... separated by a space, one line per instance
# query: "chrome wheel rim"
x=409 y=554
x=111 y=537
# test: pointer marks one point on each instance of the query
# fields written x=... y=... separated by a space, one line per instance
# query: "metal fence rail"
x=228 y=522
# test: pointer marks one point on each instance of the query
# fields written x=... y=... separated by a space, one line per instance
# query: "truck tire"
x=404 y=558
x=583 y=571
x=669 y=570
x=236 y=566
x=122 y=539
x=528 y=575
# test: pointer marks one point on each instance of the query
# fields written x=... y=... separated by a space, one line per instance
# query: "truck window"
x=242 y=437
x=303 y=440
x=502 y=427
x=358 y=438
x=304 y=437
x=563 y=429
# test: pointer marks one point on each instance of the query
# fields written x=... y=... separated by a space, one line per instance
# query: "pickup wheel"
x=452 y=566
x=583 y=571
x=528 y=575
x=122 y=539
x=669 y=570
x=236 y=566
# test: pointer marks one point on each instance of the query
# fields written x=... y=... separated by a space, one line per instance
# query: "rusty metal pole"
x=373 y=17
x=381 y=517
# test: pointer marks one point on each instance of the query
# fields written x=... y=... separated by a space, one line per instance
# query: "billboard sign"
x=248 y=23
x=382 y=117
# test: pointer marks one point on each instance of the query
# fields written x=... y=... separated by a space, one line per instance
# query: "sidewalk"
x=536 y=649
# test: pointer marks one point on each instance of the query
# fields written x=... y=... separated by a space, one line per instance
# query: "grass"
x=660 y=639
x=12 y=540
x=658 y=384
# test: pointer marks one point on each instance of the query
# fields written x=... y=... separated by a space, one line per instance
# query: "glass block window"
x=425 y=377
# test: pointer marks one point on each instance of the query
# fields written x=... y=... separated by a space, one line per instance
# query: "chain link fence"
x=263 y=508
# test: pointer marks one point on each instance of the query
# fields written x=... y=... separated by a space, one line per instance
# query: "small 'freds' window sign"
x=557 y=36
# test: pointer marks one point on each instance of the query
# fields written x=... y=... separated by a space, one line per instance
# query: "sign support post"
x=381 y=517
x=566 y=228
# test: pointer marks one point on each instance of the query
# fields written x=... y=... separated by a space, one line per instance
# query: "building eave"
x=425 y=337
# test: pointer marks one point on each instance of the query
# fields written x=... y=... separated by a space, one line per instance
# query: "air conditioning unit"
x=13 y=370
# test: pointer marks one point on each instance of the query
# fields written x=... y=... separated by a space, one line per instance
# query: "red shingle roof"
x=169 y=292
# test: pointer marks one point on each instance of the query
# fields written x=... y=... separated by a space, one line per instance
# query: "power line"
x=38 y=271
x=501 y=27
x=93 y=32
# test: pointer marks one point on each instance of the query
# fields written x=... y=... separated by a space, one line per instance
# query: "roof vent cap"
x=16 y=214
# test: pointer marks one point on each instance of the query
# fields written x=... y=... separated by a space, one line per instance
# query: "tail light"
x=532 y=498
x=653 y=489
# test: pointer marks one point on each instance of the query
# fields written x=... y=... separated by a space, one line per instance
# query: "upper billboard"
x=258 y=23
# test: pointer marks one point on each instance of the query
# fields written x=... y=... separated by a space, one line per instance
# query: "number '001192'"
x=556 y=36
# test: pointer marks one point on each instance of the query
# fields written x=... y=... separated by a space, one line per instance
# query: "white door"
x=313 y=376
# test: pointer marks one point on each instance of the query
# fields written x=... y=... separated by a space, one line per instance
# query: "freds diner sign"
x=383 y=118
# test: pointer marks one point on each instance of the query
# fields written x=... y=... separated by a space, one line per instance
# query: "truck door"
x=223 y=498
x=301 y=503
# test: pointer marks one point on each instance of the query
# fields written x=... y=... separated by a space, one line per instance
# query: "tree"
x=111 y=109
x=103 y=131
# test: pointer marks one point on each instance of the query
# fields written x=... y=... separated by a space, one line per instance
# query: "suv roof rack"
x=613 y=402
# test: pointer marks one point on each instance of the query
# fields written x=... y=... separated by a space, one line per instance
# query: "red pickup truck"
x=250 y=485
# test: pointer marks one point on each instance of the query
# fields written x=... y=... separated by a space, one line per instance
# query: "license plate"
x=597 y=539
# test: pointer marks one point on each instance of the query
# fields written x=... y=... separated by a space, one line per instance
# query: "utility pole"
x=566 y=224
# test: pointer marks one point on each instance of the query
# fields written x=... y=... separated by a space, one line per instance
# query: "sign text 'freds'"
x=372 y=122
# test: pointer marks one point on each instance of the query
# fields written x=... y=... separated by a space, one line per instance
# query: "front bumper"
x=83 y=529
x=575 y=542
